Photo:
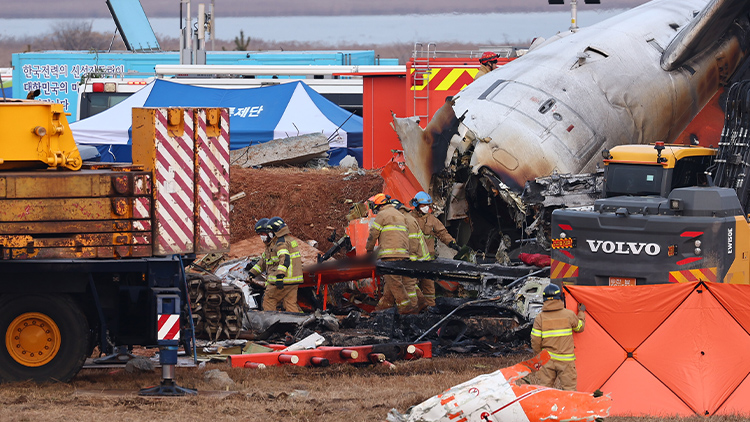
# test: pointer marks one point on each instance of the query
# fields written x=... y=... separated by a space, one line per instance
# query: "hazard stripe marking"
x=688 y=276
x=174 y=197
x=559 y=269
x=142 y=208
x=212 y=231
x=429 y=77
x=168 y=327
x=453 y=76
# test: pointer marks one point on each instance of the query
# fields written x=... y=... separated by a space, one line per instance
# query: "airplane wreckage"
x=528 y=137
x=498 y=397
x=512 y=146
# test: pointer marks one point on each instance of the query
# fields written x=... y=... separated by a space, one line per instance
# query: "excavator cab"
x=655 y=169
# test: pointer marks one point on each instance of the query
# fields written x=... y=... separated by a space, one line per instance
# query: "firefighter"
x=487 y=63
x=433 y=230
x=282 y=263
x=417 y=252
x=390 y=232
x=553 y=331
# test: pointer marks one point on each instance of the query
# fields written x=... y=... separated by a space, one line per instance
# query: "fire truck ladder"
x=420 y=78
x=730 y=167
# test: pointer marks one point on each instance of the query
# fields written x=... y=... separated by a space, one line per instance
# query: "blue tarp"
x=256 y=115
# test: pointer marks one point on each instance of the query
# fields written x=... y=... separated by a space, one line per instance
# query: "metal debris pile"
x=491 y=315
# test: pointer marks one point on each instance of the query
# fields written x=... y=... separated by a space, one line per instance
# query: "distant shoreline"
x=158 y=9
x=503 y=28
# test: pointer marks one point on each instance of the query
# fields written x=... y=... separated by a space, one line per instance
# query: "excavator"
x=669 y=213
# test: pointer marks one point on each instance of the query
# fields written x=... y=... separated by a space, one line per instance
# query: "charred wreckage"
x=490 y=312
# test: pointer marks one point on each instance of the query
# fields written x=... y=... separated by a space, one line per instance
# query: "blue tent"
x=256 y=115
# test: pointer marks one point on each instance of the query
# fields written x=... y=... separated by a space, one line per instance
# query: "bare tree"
x=70 y=35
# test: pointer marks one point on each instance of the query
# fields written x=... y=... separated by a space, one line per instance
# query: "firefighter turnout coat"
x=389 y=230
x=418 y=250
x=281 y=258
x=432 y=229
x=553 y=330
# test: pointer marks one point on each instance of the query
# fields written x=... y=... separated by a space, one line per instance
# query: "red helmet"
x=488 y=57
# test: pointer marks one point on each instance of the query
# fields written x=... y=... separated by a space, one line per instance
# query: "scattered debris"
x=326 y=355
x=349 y=161
x=237 y=196
x=291 y=150
x=497 y=396
x=218 y=378
x=139 y=364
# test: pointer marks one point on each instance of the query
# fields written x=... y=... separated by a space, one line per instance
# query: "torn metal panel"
x=481 y=277
x=291 y=150
x=570 y=190
x=497 y=397
x=265 y=324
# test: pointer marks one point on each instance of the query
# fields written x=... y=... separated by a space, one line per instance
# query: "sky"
x=170 y=8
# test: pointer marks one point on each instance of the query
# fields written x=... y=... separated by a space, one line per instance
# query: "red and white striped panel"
x=142 y=210
x=168 y=327
x=142 y=225
x=174 y=194
x=212 y=190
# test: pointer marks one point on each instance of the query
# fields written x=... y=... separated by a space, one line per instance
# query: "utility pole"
x=212 y=25
x=186 y=34
x=573 y=11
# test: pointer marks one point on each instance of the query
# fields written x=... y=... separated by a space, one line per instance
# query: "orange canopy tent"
x=670 y=349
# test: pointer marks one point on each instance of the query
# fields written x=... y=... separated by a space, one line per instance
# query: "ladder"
x=420 y=78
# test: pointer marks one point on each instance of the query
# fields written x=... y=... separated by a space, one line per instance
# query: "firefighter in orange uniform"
x=432 y=229
x=390 y=232
x=282 y=262
x=553 y=331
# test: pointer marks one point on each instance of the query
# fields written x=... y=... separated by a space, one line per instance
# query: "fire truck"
x=94 y=255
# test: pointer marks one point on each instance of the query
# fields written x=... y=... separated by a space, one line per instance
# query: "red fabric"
x=636 y=392
x=686 y=344
x=536 y=259
x=629 y=317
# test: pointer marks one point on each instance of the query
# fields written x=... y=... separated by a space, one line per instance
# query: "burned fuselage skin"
x=556 y=108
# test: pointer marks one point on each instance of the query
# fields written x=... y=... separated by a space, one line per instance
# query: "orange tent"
x=669 y=349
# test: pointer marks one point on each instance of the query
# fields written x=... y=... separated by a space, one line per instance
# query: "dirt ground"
x=338 y=393
x=313 y=202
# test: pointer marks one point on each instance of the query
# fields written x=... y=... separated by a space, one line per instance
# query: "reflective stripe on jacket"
x=553 y=330
x=267 y=260
x=418 y=250
x=390 y=232
x=289 y=261
x=433 y=229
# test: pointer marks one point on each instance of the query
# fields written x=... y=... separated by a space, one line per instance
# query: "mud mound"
x=312 y=202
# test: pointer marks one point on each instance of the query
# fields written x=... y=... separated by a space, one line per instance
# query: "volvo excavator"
x=668 y=214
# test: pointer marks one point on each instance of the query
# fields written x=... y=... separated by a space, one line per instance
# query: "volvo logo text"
x=623 y=248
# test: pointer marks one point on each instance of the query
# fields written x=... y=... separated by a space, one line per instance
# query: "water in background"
x=489 y=29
